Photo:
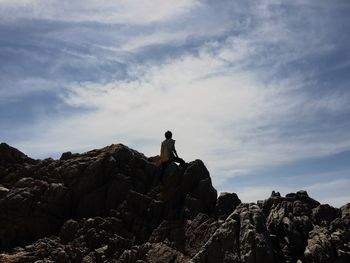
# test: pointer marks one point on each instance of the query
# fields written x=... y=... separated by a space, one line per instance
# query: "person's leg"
x=179 y=160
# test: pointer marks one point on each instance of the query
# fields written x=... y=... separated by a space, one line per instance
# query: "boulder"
x=323 y=215
x=3 y=191
x=68 y=231
x=10 y=156
x=195 y=173
x=223 y=245
x=206 y=193
x=226 y=204
x=319 y=246
x=255 y=243
x=345 y=214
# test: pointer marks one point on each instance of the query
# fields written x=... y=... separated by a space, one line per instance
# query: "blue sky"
x=258 y=90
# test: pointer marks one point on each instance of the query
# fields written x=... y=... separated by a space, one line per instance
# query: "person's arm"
x=174 y=150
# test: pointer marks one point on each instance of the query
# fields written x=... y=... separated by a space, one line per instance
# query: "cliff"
x=110 y=205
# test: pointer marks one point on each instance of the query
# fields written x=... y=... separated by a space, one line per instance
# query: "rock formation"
x=112 y=205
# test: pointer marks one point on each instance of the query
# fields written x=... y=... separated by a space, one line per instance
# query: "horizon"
x=258 y=91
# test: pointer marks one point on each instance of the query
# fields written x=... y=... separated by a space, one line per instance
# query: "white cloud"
x=230 y=119
x=225 y=101
x=122 y=11
x=25 y=87
x=16 y=2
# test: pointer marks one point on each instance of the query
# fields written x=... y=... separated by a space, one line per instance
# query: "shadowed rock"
x=226 y=204
x=111 y=205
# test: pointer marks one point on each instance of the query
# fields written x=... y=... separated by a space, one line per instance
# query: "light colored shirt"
x=167 y=147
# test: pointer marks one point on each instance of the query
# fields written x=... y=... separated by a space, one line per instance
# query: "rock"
x=206 y=193
x=195 y=173
x=111 y=205
x=345 y=214
x=226 y=204
x=223 y=245
x=160 y=252
x=289 y=223
x=323 y=215
x=118 y=190
x=341 y=245
x=92 y=203
x=241 y=238
x=68 y=155
x=255 y=243
x=30 y=212
x=122 y=154
x=194 y=206
x=68 y=231
x=3 y=191
x=302 y=193
x=198 y=232
x=319 y=246
x=117 y=244
x=187 y=237
x=10 y=156
x=170 y=179
x=137 y=202
x=275 y=194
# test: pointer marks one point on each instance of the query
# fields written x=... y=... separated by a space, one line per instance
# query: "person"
x=168 y=152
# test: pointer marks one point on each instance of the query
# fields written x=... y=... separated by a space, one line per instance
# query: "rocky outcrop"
x=12 y=157
x=113 y=205
x=226 y=204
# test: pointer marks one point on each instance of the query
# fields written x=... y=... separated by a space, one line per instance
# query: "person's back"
x=167 y=148
x=168 y=152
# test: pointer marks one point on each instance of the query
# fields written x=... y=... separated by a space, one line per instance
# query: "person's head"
x=168 y=134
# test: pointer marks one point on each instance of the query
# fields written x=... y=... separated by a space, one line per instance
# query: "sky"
x=258 y=90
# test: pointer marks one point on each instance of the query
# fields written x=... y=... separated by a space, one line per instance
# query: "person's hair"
x=168 y=135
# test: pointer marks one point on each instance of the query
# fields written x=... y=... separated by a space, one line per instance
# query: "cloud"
x=25 y=87
x=243 y=123
x=239 y=84
x=123 y=11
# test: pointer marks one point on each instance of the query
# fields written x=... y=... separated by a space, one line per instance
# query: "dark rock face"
x=226 y=204
x=10 y=156
x=113 y=205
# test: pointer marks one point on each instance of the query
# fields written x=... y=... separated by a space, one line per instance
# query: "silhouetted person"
x=168 y=152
